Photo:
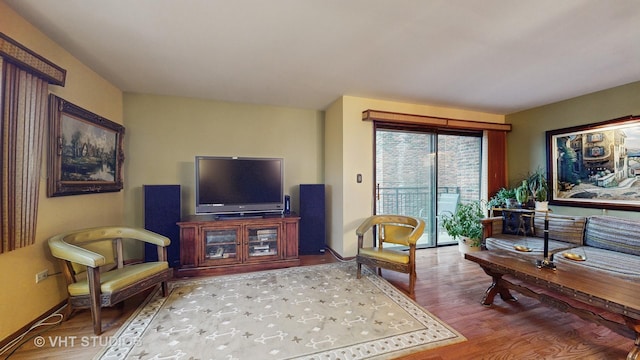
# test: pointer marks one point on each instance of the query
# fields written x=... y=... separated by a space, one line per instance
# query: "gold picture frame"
x=596 y=165
x=85 y=151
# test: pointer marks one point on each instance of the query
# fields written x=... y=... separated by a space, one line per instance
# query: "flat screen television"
x=239 y=186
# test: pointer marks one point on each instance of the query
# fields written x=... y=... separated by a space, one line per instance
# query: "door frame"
x=422 y=128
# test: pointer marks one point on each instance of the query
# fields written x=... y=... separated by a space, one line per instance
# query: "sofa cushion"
x=611 y=262
x=508 y=242
x=562 y=228
x=613 y=233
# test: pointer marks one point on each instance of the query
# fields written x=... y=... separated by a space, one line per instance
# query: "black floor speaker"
x=312 y=219
x=161 y=213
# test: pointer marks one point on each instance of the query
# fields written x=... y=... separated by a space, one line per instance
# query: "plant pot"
x=464 y=246
x=511 y=203
x=531 y=204
x=542 y=205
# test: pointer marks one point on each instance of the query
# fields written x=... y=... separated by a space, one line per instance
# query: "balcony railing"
x=410 y=201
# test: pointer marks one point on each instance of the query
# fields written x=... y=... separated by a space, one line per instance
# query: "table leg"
x=634 y=324
x=496 y=288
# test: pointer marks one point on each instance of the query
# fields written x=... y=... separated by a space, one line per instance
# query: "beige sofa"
x=606 y=243
x=565 y=232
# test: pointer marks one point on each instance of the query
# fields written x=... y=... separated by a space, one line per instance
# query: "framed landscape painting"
x=596 y=165
x=85 y=151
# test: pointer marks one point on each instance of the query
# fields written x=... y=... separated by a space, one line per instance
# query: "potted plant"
x=522 y=194
x=504 y=198
x=539 y=189
x=464 y=225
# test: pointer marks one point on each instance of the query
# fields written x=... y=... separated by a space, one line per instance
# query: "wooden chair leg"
x=359 y=273
x=120 y=306
x=412 y=282
x=93 y=276
x=68 y=311
x=165 y=289
x=413 y=276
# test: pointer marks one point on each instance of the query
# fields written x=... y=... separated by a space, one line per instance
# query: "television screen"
x=239 y=185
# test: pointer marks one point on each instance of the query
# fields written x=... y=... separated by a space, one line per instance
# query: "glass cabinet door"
x=263 y=242
x=221 y=245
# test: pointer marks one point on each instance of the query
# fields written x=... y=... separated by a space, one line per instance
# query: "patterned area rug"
x=307 y=312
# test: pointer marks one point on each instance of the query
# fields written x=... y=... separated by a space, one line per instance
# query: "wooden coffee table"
x=593 y=288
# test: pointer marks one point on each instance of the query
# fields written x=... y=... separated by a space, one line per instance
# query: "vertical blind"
x=24 y=80
x=23 y=126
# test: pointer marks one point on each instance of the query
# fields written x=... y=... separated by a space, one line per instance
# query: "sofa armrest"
x=491 y=226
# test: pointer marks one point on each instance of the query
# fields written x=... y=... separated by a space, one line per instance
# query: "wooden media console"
x=210 y=246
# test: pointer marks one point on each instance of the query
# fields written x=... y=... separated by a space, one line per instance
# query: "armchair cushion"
x=117 y=279
x=391 y=255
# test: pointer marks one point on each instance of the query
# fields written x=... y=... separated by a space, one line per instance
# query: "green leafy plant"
x=465 y=222
x=538 y=186
x=522 y=193
x=499 y=200
x=541 y=195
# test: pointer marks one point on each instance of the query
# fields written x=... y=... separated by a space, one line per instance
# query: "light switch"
x=359 y=178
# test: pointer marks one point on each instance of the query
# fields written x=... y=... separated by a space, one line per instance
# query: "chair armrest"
x=63 y=245
x=412 y=238
x=115 y=232
x=62 y=250
x=144 y=235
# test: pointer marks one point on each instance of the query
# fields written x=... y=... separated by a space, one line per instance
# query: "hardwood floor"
x=448 y=286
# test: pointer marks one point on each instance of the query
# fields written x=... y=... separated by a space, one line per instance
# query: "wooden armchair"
x=390 y=229
x=93 y=266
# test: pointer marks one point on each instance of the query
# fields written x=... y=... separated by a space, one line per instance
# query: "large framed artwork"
x=85 y=151
x=596 y=165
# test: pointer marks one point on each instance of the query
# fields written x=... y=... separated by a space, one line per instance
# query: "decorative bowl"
x=522 y=248
x=574 y=256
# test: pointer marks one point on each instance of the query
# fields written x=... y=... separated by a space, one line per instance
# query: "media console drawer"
x=210 y=246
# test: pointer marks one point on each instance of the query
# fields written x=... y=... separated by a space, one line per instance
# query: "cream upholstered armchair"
x=390 y=229
x=93 y=266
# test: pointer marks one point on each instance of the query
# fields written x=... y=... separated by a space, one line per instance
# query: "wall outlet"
x=42 y=275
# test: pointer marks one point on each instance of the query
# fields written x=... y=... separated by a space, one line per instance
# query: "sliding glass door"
x=424 y=173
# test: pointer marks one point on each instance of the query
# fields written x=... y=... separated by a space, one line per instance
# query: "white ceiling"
x=497 y=56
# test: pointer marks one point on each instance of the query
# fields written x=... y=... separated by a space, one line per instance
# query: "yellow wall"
x=164 y=134
x=21 y=299
x=526 y=144
x=353 y=202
